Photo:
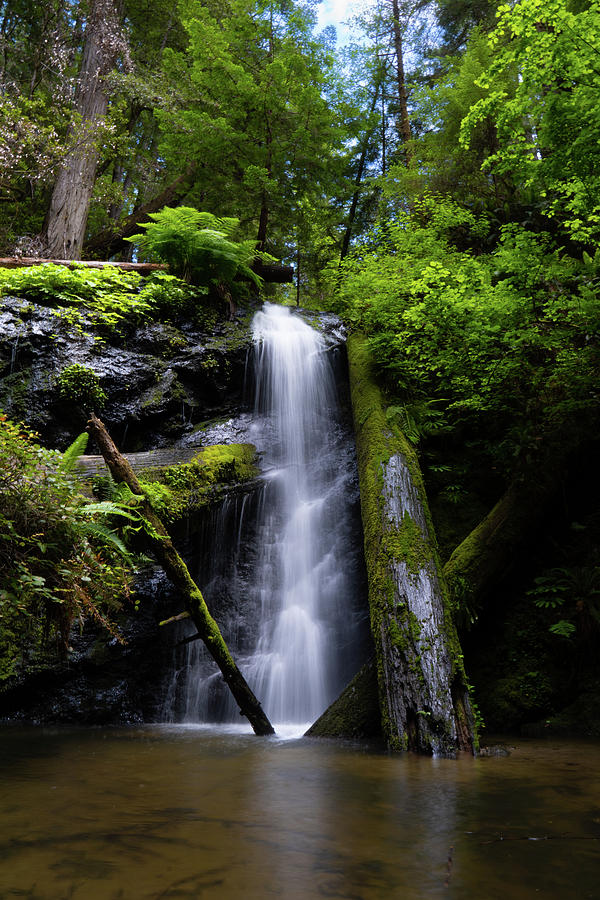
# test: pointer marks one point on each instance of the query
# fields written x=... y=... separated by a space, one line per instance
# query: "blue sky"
x=335 y=12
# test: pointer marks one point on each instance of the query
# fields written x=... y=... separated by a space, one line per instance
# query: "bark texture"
x=404 y=121
x=160 y=544
x=64 y=228
x=423 y=691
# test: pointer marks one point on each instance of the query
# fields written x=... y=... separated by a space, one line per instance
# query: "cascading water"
x=300 y=577
x=296 y=598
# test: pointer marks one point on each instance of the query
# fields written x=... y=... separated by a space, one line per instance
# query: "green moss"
x=408 y=544
x=355 y=714
x=177 y=490
x=378 y=440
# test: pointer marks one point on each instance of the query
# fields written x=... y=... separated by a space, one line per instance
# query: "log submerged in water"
x=159 y=543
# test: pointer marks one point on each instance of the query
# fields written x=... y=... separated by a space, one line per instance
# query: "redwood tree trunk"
x=66 y=219
x=404 y=123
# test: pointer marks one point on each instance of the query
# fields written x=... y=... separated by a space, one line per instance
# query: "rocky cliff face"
x=161 y=381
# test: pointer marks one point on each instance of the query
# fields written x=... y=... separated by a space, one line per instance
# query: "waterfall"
x=300 y=578
x=296 y=601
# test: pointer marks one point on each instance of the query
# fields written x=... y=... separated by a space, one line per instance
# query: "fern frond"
x=104 y=533
x=73 y=452
x=107 y=508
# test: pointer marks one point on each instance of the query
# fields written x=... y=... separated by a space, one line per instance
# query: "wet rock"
x=160 y=380
x=103 y=681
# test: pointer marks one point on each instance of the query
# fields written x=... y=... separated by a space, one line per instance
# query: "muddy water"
x=176 y=812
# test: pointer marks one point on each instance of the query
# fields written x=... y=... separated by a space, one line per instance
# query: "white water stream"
x=300 y=577
x=298 y=605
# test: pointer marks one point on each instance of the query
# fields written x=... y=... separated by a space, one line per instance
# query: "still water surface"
x=195 y=812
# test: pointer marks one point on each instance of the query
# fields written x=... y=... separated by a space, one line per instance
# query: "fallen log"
x=18 y=262
x=423 y=689
x=159 y=543
x=512 y=526
x=271 y=273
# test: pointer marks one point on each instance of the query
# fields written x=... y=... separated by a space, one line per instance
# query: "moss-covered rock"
x=422 y=685
x=178 y=490
x=355 y=714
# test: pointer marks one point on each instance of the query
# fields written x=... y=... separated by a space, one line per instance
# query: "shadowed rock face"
x=160 y=381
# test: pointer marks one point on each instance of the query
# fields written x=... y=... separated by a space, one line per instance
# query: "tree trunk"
x=64 y=228
x=111 y=241
x=488 y=552
x=160 y=544
x=423 y=692
x=404 y=123
x=359 y=175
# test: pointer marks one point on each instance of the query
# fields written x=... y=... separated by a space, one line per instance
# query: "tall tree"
x=104 y=45
x=252 y=110
x=398 y=26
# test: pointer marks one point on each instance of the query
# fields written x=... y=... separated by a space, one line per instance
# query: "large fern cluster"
x=60 y=558
x=198 y=246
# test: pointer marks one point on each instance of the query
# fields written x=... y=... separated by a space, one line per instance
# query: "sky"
x=335 y=12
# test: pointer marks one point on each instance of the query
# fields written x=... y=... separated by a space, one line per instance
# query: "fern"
x=198 y=246
x=109 y=536
x=73 y=452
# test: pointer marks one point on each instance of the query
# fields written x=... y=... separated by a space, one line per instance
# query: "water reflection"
x=194 y=812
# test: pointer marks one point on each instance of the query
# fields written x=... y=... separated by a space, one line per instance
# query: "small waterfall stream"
x=291 y=569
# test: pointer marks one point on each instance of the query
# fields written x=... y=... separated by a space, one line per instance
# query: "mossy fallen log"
x=20 y=262
x=160 y=545
x=486 y=555
x=423 y=691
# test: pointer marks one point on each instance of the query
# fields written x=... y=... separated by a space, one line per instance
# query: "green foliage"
x=417 y=420
x=176 y=490
x=109 y=295
x=109 y=299
x=198 y=246
x=506 y=344
x=545 y=113
x=72 y=453
x=574 y=590
x=81 y=386
x=60 y=561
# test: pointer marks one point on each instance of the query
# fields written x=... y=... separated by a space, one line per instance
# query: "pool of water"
x=195 y=812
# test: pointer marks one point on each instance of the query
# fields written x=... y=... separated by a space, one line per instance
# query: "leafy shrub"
x=506 y=343
x=81 y=386
x=60 y=561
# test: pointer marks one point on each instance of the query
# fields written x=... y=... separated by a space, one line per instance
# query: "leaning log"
x=159 y=543
x=423 y=691
x=488 y=553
